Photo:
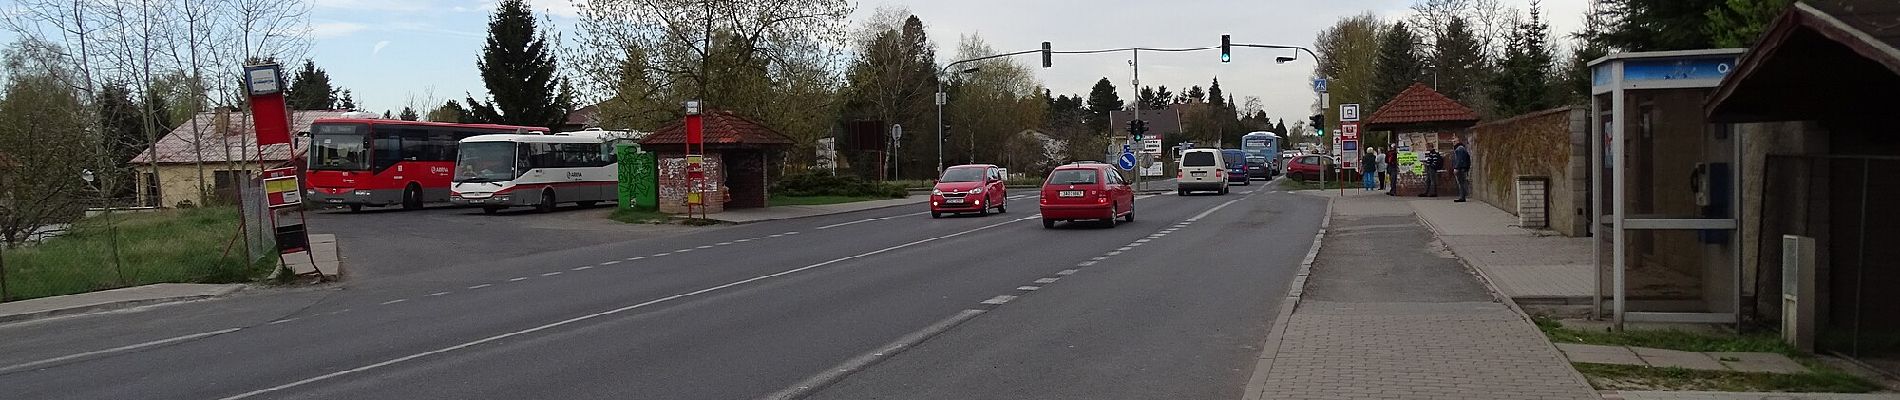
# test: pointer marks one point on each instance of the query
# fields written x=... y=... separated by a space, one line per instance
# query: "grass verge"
x=1637 y=377
x=171 y=246
x=818 y=200
x=1668 y=339
x=633 y=216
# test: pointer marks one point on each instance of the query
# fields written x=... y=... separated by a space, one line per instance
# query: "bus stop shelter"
x=739 y=153
x=1416 y=121
x=1664 y=198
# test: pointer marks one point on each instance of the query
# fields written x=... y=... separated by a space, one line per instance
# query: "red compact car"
x=973 y=188
x=1086 y=191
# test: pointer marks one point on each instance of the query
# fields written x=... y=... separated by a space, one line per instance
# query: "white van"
x=1201 y=170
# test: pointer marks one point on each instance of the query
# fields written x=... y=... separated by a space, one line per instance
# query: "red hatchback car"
x=973 y=188
x=1086 y=191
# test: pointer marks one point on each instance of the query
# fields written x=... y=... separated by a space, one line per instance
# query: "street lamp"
x=941 y=99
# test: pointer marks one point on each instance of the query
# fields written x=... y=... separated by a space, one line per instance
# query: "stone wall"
x=1549 y=144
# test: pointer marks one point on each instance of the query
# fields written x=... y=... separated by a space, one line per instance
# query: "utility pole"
x=1136 y=63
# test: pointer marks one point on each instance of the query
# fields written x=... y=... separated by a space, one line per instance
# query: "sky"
x=391 y=53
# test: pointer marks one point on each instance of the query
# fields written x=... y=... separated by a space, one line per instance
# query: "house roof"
x=199 y=139
x=588 y=116
x=1419 y=104
x=1162 y=123
x=1822 y=59
x=720 y=127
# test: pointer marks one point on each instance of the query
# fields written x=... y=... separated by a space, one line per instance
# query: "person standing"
x=1378 y=155
x=1434 y=163
x=1461 y=163
x=1392 y=170
x=1368 y=164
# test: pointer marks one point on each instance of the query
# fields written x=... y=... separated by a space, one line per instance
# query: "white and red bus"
x=501 y=171
x=381 y=162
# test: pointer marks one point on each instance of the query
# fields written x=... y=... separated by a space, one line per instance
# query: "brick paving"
x=1524 y=264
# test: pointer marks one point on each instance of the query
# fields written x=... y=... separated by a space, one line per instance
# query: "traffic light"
x=1138 y=128
x=1319 y=124
x=1226 y=49
x=946 y=133
x=1046 y=54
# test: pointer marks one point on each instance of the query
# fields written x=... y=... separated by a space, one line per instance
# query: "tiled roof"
x=1420 y=104
x=719 y=127
x=197 y=139
x=1878 y=23
x=1162 y=123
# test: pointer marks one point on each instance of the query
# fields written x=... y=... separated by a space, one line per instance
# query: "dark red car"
x=1086 y=192
x=1309 y=168
x=973 y=188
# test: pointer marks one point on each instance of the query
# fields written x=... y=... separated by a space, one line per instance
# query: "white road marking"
x=1145 y=240
x=742 y=240
x=791 y=233
x=1204 y=214
x=925 y=334
x=682 y=250
x=776 y=235
x=1099 y=258
x=1115 y=253
x=834 y=374
x=662 y=254
x=1067 y=272
x=1045 y=281
x=394 y=301
x=281 y=321
x=606 y=263
x=1132 y=245
x=999 y=300
x=1085 y=263
x=439 y=293
x=582 y=268
x=847 y=223
x=518 y=279
x=704 y=247
x=633 y=258
x=480 y=286
x=160 y=342
x=1125 y=248
x=552 y=273
x=1028 y=288
x=722 y=243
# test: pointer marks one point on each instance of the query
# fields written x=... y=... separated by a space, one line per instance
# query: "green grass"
x=1669 y=339
x=633 y=216
x=181 y=246
x=818 y=200
x=1637 y=377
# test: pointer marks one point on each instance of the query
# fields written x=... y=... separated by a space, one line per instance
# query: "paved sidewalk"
x=323 y=252
x=745 y=215
x=1667 y=395
x=1711 y=361
x=1386 y=314
x=110 y=299
x=1531 y=267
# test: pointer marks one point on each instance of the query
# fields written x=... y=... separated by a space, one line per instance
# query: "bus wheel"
x=547 y=201
x=411 y=198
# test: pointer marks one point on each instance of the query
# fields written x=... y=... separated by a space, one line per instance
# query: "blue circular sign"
x=1127 y=161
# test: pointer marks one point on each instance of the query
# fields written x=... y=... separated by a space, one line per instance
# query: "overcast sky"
x=389 y=50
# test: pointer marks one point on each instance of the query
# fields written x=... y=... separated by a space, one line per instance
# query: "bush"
x=819 y=184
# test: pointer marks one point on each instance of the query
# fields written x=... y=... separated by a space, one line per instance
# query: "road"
x=875 y=304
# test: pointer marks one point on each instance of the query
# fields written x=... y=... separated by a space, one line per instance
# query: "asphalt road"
x=876 y=304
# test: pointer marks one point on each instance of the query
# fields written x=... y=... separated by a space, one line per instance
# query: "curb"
x=1498 y=295
x=1270 y=348
x=724 y=222
x=116 y=305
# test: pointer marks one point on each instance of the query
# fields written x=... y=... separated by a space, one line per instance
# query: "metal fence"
x=1846 y=204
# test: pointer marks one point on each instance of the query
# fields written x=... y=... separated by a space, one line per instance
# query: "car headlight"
x=936 y=192
x=976 y=191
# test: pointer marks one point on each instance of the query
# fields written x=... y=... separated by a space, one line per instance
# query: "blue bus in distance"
x=1265 y=146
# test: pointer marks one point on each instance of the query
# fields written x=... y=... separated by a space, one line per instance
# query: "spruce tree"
x=346 y=102
x=1102 y=100
x=1398 y=63
x=1459 y=61
x=310 y=89
x=1520 y=85
x=409 y=114
x=518 y=68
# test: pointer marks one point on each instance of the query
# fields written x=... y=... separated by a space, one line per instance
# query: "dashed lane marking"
x=1028 y=288
x=999 y=300
x=394 y=301
x=1045 y=281
x=438 y=294
x=552 y=273
x=518 y=279
x=582 y=268
x=1067 y=272
x=480 y=286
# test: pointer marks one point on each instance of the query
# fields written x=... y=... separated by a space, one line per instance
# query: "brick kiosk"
x=738 y=154
x=1417 y=119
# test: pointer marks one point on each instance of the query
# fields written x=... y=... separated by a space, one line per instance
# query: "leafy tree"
x=450 y=111
x=1102 y=100
x=1739 y=23
x=409 y=114
x=1651 y=25
x=519 y=70
x=1398 y=64
x=310 y=89
x=1520 y=83
x=893 y=80
x=1348 y=55
x=346 y=102
x=1462 y=69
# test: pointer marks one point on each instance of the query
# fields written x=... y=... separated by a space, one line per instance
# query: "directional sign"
x=1349 y=112
x=1319 y=85
x=1127 y=161
x=1151 y=146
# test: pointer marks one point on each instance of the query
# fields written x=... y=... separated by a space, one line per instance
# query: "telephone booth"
x=1665 y=205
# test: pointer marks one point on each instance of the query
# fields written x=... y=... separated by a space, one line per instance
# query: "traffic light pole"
x=1135 y=63
x=942 y=98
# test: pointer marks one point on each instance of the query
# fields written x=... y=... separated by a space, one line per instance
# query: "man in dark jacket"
x=1461 y=161
x=1434 y=163
x=1392 y=170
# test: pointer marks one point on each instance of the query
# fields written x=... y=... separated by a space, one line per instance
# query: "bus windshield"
x=485 y=162
x=338 y=151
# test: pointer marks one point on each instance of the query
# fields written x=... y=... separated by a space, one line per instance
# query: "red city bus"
x=381 y=162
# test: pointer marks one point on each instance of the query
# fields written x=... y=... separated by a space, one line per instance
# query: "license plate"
x=477 y=201
x=333 y=200
x=953 y=201
x=1070 y=193
x=1197 y=173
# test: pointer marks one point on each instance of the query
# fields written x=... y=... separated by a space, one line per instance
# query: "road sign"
x=1349 y=130
x=1319 y=85
x=1151 y=146
x=1349 y=112
x=897 y=132
x=1127 y=160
